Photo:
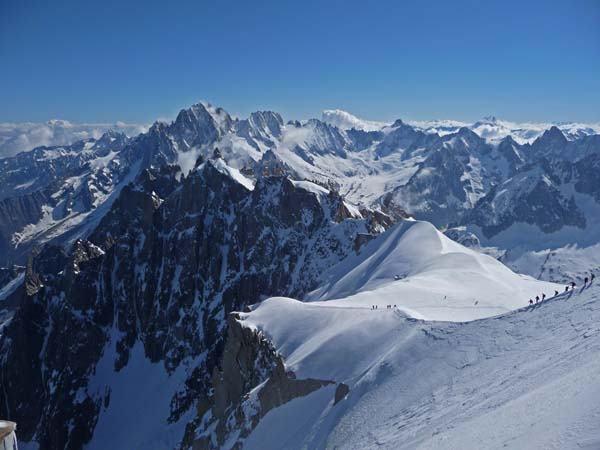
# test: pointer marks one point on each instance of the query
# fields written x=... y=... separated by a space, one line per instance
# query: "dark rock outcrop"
x=250 y=382
x=341 y=391
x=162 y=269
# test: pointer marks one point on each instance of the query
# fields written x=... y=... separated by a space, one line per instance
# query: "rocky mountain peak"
x=552 y=135
x=466 y=132
x=267 y=120
x=111 y=138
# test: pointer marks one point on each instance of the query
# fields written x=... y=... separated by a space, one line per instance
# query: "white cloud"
x=19 y=137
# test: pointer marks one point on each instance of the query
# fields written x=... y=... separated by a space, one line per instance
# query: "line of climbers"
x=585 y=282
x=537 y=297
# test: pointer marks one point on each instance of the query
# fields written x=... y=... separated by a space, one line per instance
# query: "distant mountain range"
x=490 y=128
x=24 y=136
x=480 y=177
x=126 y=256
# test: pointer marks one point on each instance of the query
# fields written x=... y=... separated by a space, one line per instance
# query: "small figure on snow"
x=537 y=298
x=585 y=280
x=530 y=302
x=555 y=292
x=573 y=285
x=566 y=288
x=543 y=296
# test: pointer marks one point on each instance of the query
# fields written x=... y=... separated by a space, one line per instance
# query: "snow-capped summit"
x=428 y=276
x=346 y=121
x=495 y=129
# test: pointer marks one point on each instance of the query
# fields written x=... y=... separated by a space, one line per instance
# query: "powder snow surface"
x=523 y=380
x=470 y=378
x=427 y=276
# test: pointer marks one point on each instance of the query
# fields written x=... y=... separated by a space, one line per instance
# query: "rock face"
x=49 y=187
x=59 y=194
x=151 y=243
x=250 y=382
x=341 y=392
x=162 y=269
x=543 y=192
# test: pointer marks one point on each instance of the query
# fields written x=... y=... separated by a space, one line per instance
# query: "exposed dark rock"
x=164 y=267
x=249 y=361
x=341 y=391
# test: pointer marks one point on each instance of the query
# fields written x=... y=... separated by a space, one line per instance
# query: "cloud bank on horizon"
x=24 y=136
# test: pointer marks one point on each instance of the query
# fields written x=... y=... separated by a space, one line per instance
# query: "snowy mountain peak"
x=204 y=114
x=217 y=163
x=467 y=132
x=508 y=140
x=261 y=129
x=428 y=264
x=489 y=119
x=553 y=134
x=346 y=121
x=267 y=120
x=551 y=143
x=59 y=123
x=109 y=138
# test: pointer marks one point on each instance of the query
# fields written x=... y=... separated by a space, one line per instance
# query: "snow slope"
x=439 y=279
x=526 y=379
x=142 y=390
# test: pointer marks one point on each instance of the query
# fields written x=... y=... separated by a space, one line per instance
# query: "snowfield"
x=523 y=380
x=469 y=371
x=427 y=276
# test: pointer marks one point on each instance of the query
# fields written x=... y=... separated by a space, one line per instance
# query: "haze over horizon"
x=534 y=61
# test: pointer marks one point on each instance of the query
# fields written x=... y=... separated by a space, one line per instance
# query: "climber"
x=555 y=292
x=566 y=288
x=543 y=296
x=585 y=280
x=530 y=302
x=537 y=298
x=573 y=285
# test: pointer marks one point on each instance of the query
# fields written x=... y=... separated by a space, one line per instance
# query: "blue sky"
x=140 y=60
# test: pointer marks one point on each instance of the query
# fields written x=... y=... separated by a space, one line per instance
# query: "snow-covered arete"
x=522 y=380
x=427 y=276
